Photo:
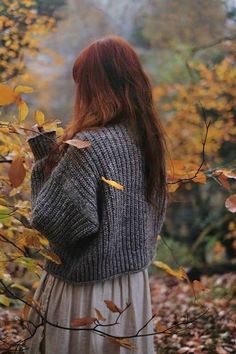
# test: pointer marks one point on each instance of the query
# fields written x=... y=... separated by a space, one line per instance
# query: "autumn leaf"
x=7 y=95
x=230 y=203
x=23 y=89
x=200 y=177
x=51 y=256
x=4 y=300
x=112 y=183
x=172 y=187
x=17 y=171
x=80 y=144
x=23 y=110
x=31 y=301
x=199 y=286
x=223 y=171
x=20 y=287
x=111 y=306
x=161 y=328
x=32 y=241
x=179 y=273
x=83 y=321
x=99 y=315
x=39 y=118
x=123 y=342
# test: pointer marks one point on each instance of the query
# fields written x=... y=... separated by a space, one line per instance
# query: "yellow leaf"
x=23 y=110
x=7 y=95
x=112 y=183
x=19 y=286
x=179 y=273
x=23 y=89
x=39 y=118
x=51 y=256
x=4 y=300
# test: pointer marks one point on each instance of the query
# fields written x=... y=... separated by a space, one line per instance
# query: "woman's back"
x=104 y=231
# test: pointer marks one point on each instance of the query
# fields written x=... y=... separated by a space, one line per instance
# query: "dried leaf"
x=199 y=286
x=161 y=328
x=99 y=315
x=112 y=183
x=17 y=171
x=83 y=321
x=123 y=342
x=111 y=306
x=51 y=256
x=80 y=144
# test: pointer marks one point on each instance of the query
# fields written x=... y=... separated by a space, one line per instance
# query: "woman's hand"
x=34 y=130
x=37 y=128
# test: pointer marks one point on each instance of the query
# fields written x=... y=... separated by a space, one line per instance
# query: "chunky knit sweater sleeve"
x=64 y=204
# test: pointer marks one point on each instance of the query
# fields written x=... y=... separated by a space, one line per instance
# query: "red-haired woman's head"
x=112 y=86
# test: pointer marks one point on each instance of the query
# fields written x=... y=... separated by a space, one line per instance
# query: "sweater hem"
x=56 y=275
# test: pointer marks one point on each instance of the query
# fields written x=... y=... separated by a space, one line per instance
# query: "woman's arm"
x=64 y=205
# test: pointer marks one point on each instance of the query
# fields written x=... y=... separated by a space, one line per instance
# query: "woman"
x=101 y=206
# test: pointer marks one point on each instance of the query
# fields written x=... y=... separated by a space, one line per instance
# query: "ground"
x=211 y=332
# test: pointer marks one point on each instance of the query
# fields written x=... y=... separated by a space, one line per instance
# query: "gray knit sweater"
x=98 y=231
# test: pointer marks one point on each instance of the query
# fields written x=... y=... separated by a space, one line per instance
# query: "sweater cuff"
x=42 y=144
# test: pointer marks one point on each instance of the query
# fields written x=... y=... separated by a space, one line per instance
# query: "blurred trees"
x=20 y=26
x=171 y=23
x=203 y=222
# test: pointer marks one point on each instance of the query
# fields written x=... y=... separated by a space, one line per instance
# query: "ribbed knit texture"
x=98 y=231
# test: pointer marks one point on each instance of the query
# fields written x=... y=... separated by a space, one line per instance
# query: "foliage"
x=210 y=96
x=20 y=27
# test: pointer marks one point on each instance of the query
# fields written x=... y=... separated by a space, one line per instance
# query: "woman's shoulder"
x=111 y=135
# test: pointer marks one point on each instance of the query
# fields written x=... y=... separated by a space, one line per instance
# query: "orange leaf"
x=7 y=95
x=123 y=342
x=110 y=304
x=199 y=286
x=200 y=178
x=160 y=328
x=17 y=171
x=83 y=321
x=51 y=256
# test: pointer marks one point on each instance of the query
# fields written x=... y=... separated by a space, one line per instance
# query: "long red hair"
x=112 y=86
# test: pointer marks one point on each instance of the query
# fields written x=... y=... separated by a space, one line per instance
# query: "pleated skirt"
x=61 y=302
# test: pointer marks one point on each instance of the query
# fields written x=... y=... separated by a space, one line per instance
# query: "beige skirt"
x=63 y=302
